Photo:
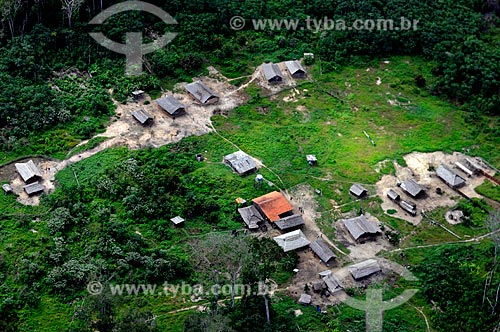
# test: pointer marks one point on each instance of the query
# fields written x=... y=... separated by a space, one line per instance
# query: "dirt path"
x=302 y=196
x=124 y=130
x=474 y=239
x=259 y=163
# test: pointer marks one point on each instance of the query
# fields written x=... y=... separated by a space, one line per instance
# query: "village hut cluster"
x=274 y=75
x=200 y=93
x=408 y=194
x=31 y=175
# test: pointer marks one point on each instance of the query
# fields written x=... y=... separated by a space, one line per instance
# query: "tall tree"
x=70 y=8
x=221 y=255
x=493 y=224
x=8 y=12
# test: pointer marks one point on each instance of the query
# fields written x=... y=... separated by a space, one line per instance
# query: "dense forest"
x=58 y=87
x=50 y=66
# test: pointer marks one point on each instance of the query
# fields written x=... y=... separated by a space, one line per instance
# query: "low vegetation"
x=108 y=220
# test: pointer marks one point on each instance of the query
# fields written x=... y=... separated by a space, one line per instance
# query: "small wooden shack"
x=241 y=163
x=358 y=190
x=364 y=269
x=142 y=116
x=202 y=93
x=171 y=106
x=295 y=69
x=272 y=73
x=33 y=188
x=28 y=171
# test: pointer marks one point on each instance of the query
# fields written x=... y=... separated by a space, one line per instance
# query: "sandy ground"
x=288 y=83
x=419 y=167
x=309 y=265
x=124 y=130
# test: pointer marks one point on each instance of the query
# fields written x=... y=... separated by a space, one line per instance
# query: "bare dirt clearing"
x=124 y=130
x=421 y=166
x=310 y=265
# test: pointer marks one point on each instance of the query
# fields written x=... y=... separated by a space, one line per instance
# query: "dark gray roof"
x=318 y=285
x=359 y=226
x=241 y=162
x=292 y=240
x=142 y=116
x=33 y=188
x=333 y=283
x=393 y=194
x=200 y=91
x=290 y=222
x=449 y=177
x=474 y=164
x=272 y=72
x=251 y=216
x=363 y=269
x=412 y=187
x=294 y=67
x=171 y=105
x=177 y=220
x=321 y=249
x=28 y=171
x=408 y=207
x=358 y=190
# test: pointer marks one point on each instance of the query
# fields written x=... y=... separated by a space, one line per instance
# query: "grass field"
x=327 y=120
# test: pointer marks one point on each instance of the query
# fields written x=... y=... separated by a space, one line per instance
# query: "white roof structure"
x=241 y=162
x=325 y=273
x=364 y=269
x=359 y=227
x=7 y=188
x=137 y=93
x=177 y=220
x=28 y=171
x=292 y=240
x=305 y=299
x=311 y=158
